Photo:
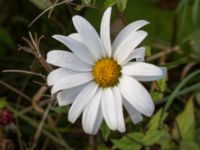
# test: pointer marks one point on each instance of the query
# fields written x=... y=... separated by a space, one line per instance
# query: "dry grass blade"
x=33 y=47
x=49 y=9
x=15 y=90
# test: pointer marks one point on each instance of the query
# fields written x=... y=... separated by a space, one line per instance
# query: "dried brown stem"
x=49 y=9
x=36 y=51
x=39 y=129
x=25 y=72
x=163 y=53
x=15 y=90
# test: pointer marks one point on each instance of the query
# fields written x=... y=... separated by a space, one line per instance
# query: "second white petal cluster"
x=74 y=84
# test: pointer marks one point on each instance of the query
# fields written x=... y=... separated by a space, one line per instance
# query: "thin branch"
x=39 y=129
x=46 y=10
x=163 y=53
x=33 y=48
x=15 y=90
x=51 y=10
x=25 y=72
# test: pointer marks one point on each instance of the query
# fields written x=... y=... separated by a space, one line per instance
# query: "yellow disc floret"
x=106 y=72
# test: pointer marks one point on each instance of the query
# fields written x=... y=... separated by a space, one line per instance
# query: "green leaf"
x=5 y=38
x=186 y=122
x=3 y=103
x=41 y=4
x=167 y=143
x=177 y=89
x=156 y=96
x=102 y=147
x=121 y=4
x=148 y=51
x=109 y=3
x=153 y=136
x=86 y=2
x=197 y=137
x=129 y=142
x=105 y=131
x=58 y=109
x=188 y=145
x=162 y=84
x=198 y=98
x=154 y=122
x=195 y=11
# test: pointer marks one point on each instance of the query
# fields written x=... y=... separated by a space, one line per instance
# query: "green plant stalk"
x=175 y=92
x=182 y=92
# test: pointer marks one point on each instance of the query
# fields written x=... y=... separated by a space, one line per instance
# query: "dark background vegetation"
x=173 y=41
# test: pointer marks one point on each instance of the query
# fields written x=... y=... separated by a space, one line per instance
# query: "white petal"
x=58 y=74
x=89 y=35
x=128 y=45
x=108 y=108
x=76 y=36
x=119 y=109
x=135 y=115
x=67 y=60
x=66 y=97
x=130 y=29
x=78 y=48
x=143 y=71
x=92 y=116
x=136 y=95
x=138 y=54
x=71 y=81
x=81 y=101
x=105 y=31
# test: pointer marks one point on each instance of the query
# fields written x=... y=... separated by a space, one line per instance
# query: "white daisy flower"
x=98 y=78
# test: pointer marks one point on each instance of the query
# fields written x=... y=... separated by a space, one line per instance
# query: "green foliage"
x=41 y=4
x=105 y=131
x=155 y=120
x=109 y=3
x=185 y=145
x=186 y=122
x=121 y=4
x=5 y=40
x=129 y=142
x=86 y=2
x=148 y=51
x=3 y=103
x=153 y=136
x=63 y=109
x=173 y=41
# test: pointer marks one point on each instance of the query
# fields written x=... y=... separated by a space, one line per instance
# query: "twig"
x=39 y=129
x=165 y=52
x=40 y=83
x=40 y=93
x=33 y=48
x=15 y=90
x=36 y=51
x=33 y=123
x=25 y=72
x=50 y=8
x=187 y=69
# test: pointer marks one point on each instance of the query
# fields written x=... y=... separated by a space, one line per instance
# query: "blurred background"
x=30 y=120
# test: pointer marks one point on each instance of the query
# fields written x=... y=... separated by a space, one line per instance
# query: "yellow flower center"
x=106 y=72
